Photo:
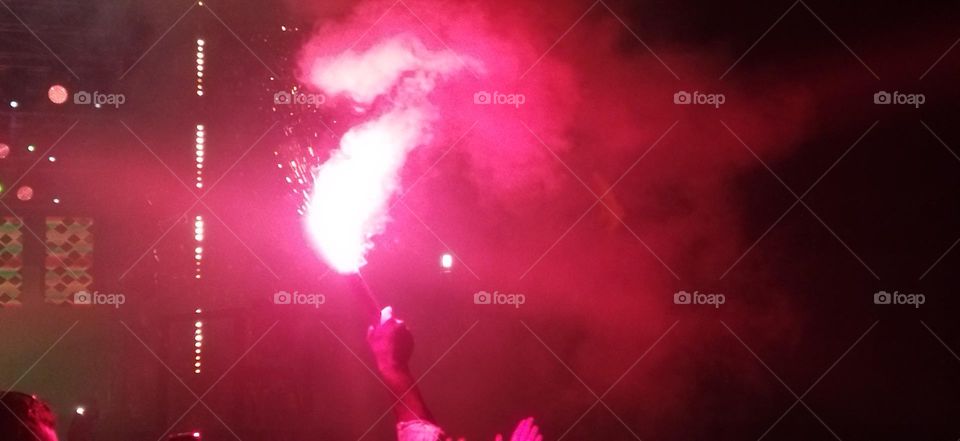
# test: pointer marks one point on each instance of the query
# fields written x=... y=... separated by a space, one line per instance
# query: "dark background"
x=886 y=218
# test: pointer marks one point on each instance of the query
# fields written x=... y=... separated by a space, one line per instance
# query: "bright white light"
x=348 y=203
x=199 y=70
x=52 y=159
x=81 y=410
x=446 y=261
x=14 y=104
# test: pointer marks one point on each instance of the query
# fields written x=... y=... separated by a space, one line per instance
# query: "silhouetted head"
x=25 y=418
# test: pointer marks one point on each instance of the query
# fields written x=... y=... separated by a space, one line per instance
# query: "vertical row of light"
x=198 y=240
x=200 y=56
x=198 y=220
x=201 y=140
x=197 y=343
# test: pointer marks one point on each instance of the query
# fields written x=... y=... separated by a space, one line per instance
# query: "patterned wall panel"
x=69 y=260
x=11 y=261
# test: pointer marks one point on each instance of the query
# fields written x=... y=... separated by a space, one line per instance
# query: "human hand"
x=391 y=343
x=526 y=431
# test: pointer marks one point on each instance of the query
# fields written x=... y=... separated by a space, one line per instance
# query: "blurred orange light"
x=57 y=94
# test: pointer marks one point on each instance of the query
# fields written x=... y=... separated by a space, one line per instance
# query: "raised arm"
x=392 y=346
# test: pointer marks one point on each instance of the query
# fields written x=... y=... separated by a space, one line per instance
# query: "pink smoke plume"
x=513 y=197
x=352 y=189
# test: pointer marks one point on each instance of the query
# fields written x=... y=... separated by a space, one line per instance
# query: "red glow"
x=25 y=193
x=57 y=94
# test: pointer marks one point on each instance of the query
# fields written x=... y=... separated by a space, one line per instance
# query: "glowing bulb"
x=81 y=410
x=57 y=94
x=446 y=261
